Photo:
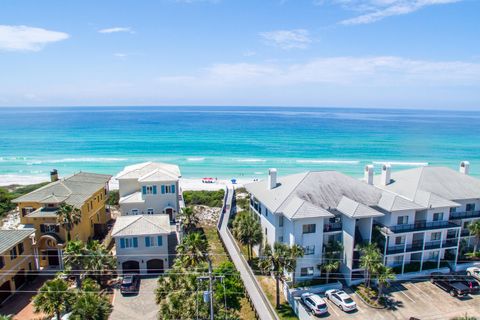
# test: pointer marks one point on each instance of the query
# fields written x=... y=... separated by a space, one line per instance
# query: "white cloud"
x=116 y=29
x=24 y=38
x=120 y=55
x=375 y=10
x=287 y=39
x=378 y=71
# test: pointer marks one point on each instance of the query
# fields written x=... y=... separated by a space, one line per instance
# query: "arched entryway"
x=170 y=211
x=131 y=266
x=50 y=245
x=155 y=266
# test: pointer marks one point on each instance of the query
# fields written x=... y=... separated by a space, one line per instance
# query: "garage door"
x=155 y=266
x=5 y=291
x=131 y=266
x=19 y=279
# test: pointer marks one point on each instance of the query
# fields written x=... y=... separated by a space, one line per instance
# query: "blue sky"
x=345 y=53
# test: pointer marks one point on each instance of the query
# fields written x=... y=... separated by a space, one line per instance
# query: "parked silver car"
x=341 y=299
x=315 y=303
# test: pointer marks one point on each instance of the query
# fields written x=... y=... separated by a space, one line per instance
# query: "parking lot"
x=140 y=306
x=419 y=299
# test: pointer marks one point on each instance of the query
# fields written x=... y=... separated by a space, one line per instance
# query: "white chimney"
x=386 y=173
x=465 y=167
x=369 y=173
x=272 y=178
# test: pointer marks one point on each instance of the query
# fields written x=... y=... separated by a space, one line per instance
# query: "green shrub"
x=113 y=197
x=205 y=198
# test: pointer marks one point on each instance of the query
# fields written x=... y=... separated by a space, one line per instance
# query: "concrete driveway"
x=141 y=306
x=420 y=299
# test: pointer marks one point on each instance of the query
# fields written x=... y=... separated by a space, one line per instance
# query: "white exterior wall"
x=127 y=186
x=308 y=239
x=142 y=254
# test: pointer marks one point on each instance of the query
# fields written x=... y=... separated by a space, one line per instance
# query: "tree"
x=248 y=231
x=90 y=304
x=474 y=228
x=68 y=217
x=74 y=259
x=370 y=260
x=189 y=219
x=192 y=250
x=296 y=252
x=231 y=286
x=332 y=256
x=277 y=261
x=384 y=275
x=6 y=317
x=53 y=298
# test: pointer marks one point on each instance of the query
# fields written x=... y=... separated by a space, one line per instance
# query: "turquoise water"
x=228 y=142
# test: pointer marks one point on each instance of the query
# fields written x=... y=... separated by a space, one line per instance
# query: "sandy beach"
x=185 y=183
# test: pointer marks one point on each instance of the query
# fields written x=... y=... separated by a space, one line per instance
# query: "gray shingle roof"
x=319 y=189
x=393 y=202
x=353 y=209
x=74 y=190
x=298 y=208
x=141 y=225
x=432 y=185
x=9 y=238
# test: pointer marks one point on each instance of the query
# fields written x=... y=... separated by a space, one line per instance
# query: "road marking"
x=401 y=291
x=332 y=307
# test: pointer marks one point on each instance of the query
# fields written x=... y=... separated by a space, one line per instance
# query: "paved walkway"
x=263 y=307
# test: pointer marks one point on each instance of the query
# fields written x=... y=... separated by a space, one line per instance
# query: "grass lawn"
x=285 y=312
x=218 y=256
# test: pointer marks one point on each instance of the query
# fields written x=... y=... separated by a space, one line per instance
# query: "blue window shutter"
x=173 y=188
x=122 y=243
x=154 y=189
x=147 y=242
x=135 y=242
x=144 y=189
x=159 y=241
x=163 y=189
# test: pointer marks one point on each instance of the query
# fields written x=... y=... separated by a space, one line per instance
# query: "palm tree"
x=90 y=304
x=296 y=252
x=248 y=231
x=74 y=257
x=329 y=266
x=192 y=250
x=189 y=219
x=370 y=260
x=68 y=217
x=277 y=261
x=474 y=228
x=53 y=298
x=384 y=275
x=6 y=317
x=99 y=261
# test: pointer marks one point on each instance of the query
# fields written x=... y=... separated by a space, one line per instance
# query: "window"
x=266 y=212
x=13 y=253
x=402 y=220
x=46 y=228
x=438 y=216
x=126 y=243
x=309 y=250
x=433 y=255
x=20 y=248
x=304 y=272
x=453 y=210
x=149 y=189
x=400 y=240
x=149 y=211
x=470 y=207
x=168 y=188
x=436 y=236
x=2 y=262
x=134 y=212
x=280 y=221
x=397 y=260
x=26 y=211
x=309 y=228
x=280 y=239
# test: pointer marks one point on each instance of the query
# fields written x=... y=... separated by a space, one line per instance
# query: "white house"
x=417 y=217
x=142 y=243
x=150 y=188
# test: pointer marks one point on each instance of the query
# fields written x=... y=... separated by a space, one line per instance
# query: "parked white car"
x=315 y=303
x=474 y=272
x=341 y=299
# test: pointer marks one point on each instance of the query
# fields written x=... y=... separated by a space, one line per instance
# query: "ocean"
x=232 y=142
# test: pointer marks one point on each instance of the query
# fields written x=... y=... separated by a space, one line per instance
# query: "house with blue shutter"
x=150 y=188
x=141 y=243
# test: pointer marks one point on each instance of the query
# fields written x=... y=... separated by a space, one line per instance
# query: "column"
x=36 y=258
x=60 y=258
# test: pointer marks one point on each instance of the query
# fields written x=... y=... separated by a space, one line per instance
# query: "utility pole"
x=210 y=279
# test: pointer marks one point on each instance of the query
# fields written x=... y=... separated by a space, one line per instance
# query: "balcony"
x=464 y=215
x=450 y=243
x=415 y=246
x=419 y=226
x=436 y=244
x=331 y=227
x=465 y=233
x=396 y=249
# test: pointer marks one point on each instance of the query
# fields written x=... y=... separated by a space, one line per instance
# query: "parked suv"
x=474 y=272
x=449 y=283
x=341 y=299
x=469 y=281
x=130 y=284
x=315 y=303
